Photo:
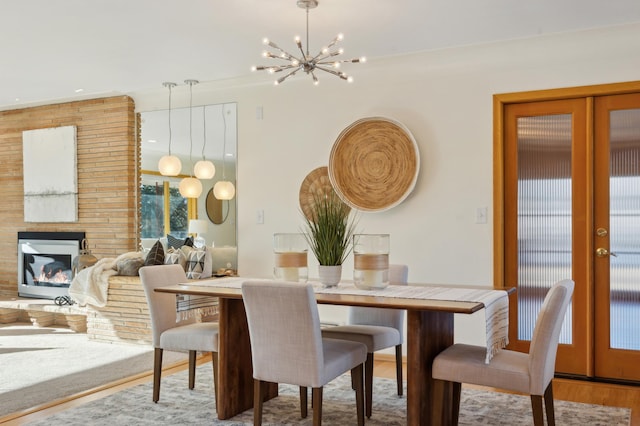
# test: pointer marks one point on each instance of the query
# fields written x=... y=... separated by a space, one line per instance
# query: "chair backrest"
x=398 y=275
x=546 y=334
x=284 y=328
x=162 y=306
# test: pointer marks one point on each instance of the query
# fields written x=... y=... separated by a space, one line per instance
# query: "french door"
x=617 y=236
x=571 y=209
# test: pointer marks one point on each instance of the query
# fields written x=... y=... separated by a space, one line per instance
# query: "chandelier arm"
x=288 y=55
x=334 y=41
x=324 y=54
x=292 y=73
x=285 y=68
x=330 y=71
x=285 y=59
x=299 y=44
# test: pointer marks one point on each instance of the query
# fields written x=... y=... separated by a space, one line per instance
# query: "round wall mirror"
x=217 y=210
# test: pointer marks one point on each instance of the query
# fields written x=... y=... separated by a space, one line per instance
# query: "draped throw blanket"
x=91 y=285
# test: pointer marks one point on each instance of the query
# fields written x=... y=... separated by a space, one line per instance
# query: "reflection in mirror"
x=217 y=210
x=163 y=210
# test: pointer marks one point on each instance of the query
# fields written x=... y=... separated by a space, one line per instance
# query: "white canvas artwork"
x=50 y=175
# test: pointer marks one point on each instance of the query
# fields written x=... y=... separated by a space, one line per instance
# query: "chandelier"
x=323 y=61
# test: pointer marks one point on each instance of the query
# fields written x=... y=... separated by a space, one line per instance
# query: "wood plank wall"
x=108 y=164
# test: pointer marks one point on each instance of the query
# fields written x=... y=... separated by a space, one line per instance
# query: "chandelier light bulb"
x=265 y=41
x=349 y=79
x=340 y=37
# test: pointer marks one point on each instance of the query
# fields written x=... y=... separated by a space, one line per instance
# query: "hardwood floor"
x=564 y=389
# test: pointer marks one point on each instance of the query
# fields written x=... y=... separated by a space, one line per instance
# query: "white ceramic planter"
x=330 y=275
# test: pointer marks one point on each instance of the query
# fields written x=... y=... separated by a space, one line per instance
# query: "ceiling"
x=50 y=49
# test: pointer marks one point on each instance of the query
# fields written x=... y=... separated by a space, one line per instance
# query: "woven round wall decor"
x=316 y=183
x=374 y=164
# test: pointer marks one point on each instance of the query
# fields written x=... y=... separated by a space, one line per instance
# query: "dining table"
x=430 y=330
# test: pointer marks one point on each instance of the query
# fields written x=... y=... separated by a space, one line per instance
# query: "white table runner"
x=496 y=302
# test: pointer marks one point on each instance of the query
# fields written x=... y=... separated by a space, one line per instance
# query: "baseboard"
x=388 y=358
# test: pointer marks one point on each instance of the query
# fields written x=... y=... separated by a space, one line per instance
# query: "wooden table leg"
x=235 y=371
x=428 y=333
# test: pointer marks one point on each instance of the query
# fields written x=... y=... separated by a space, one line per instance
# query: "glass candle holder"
x=290 y=252
x=371 y=261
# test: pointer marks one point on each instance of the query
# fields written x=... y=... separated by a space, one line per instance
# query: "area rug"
x=42 y=364
x=180 y=406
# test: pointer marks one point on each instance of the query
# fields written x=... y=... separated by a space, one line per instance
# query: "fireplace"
x=45 y=262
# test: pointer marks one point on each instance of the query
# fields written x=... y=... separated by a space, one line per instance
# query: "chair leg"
x=455 y=403
x=399 y=368
x=303 y=402
x=192 y=369
x=368 y=384
x=548 y=405
x=316 y=394
x=157 y=373
x=536 y=405
x=356 y=378
x=258 y=398
x=214 y=361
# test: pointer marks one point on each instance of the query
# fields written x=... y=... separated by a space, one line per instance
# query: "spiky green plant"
x=329 y=230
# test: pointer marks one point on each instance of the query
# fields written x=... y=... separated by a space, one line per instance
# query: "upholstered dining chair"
x=378 y=329
x=184 y=336
x=530 y=373
x=287 y=346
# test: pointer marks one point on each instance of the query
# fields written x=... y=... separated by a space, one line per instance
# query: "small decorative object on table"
x=84 y=260
x=371 y=261
x=329 y=231
x=290 y=252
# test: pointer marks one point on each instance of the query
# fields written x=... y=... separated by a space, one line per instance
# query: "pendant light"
x=204 y=169
x=169 y=165
x=190 y=187
x=224 y=189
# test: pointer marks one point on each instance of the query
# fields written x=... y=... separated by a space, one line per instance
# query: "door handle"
x=603 y=252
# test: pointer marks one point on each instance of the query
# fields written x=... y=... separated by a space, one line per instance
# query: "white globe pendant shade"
x=224 y=190
x=204 y=169
x=169 y=165
x=190 y=187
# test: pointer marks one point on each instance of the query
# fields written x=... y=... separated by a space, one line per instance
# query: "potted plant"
x=329 y=229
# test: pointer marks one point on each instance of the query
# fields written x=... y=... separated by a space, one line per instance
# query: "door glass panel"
x=544 y=215
x=624 y=211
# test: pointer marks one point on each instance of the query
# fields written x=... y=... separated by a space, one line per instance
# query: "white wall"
x=445 y=99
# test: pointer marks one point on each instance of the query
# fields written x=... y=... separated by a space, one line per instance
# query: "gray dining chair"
x=378 y=329
x=185 y=335
x=530 y=373
x=287 y=346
